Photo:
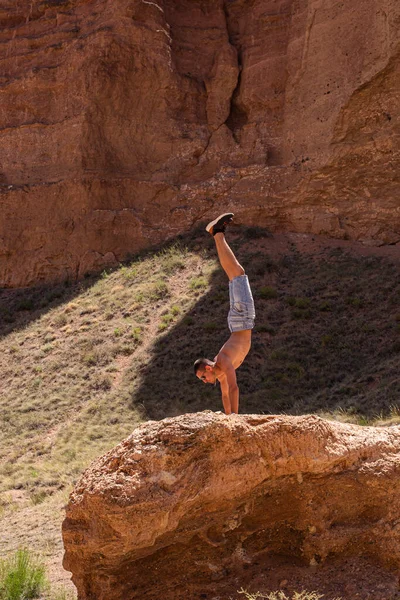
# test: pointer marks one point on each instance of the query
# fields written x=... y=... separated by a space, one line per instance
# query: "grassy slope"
x=83 y=364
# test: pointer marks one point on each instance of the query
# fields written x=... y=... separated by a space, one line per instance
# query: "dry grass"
x=280 y=595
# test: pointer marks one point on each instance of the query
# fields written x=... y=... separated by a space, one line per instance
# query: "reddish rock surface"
x=124 y=123
x=200 y=505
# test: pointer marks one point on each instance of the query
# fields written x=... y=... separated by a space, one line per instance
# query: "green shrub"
x=197 y=283
x=60 y=320
x=264 y=328
x=326 y=340
x=354 y=301
x=325 y=306
x=267 y=292
x=172 y=258
x=38 y=497
x=300 y=313
x=25 y=304
x=129 y=273
x=136 y=334
x=158 y=290
x=301 y=303
x=210 y=326
x=278 y=354
x=175 y=310
x=22 y=577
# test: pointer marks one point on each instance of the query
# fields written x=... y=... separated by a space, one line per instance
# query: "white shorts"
x=242 y=312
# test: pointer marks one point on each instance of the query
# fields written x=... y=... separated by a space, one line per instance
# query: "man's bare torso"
x=236 y=349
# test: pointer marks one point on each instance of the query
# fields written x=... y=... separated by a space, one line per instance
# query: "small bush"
x=129 y=273
x=300 y=313
x=278 y=355
x=38 y=497
x=264 y=328
x=210 y=326
x=267 y=293
x=356 y=302
x=136 y=334
x=158 y=290
x=176 y=310
x=90 y=360
x=60 y=320
x=172 y=258
x=102 y=382
x=197 y=283
x=168 y=318
x=326 y=340
x=25 y=304
x=325 y=306
x=302 y=303
x=22 y=577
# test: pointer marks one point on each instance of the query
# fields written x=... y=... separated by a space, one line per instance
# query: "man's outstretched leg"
x=226 y=257
x=241 y=315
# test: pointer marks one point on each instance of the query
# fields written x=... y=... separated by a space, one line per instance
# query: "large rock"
x=124 y=123
x=198 y=497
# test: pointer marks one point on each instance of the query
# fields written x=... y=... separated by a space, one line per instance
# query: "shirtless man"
x=240 y=321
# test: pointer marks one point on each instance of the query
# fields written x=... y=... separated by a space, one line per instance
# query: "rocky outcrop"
x=123 y=124
x=202 y=497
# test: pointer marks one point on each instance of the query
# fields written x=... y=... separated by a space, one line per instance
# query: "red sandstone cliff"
x=123 y=123
x=184 y=506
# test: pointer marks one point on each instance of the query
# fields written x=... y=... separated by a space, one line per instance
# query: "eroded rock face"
x=200 y=496
x=125 y=123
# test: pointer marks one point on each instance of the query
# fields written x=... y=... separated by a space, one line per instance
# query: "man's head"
x=204 y=369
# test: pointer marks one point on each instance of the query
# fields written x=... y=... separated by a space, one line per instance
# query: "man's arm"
x=229 y=386
x=225 y=395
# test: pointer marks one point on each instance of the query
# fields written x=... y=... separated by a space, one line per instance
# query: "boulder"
x=204 y=496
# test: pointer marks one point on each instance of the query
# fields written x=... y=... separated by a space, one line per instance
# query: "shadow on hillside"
x=327 y=338
x=22 y=306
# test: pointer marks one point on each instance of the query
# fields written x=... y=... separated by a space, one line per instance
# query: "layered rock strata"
x=203 y=496
x=123 y=124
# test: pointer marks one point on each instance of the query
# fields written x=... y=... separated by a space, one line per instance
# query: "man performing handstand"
x=240 y=321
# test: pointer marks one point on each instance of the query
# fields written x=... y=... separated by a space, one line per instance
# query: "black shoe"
x=219 y=224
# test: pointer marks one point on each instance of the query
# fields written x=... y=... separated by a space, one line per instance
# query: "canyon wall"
x=126 y=122
x=192 y=506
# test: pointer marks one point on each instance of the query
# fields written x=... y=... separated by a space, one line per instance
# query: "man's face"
x=207 y=375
